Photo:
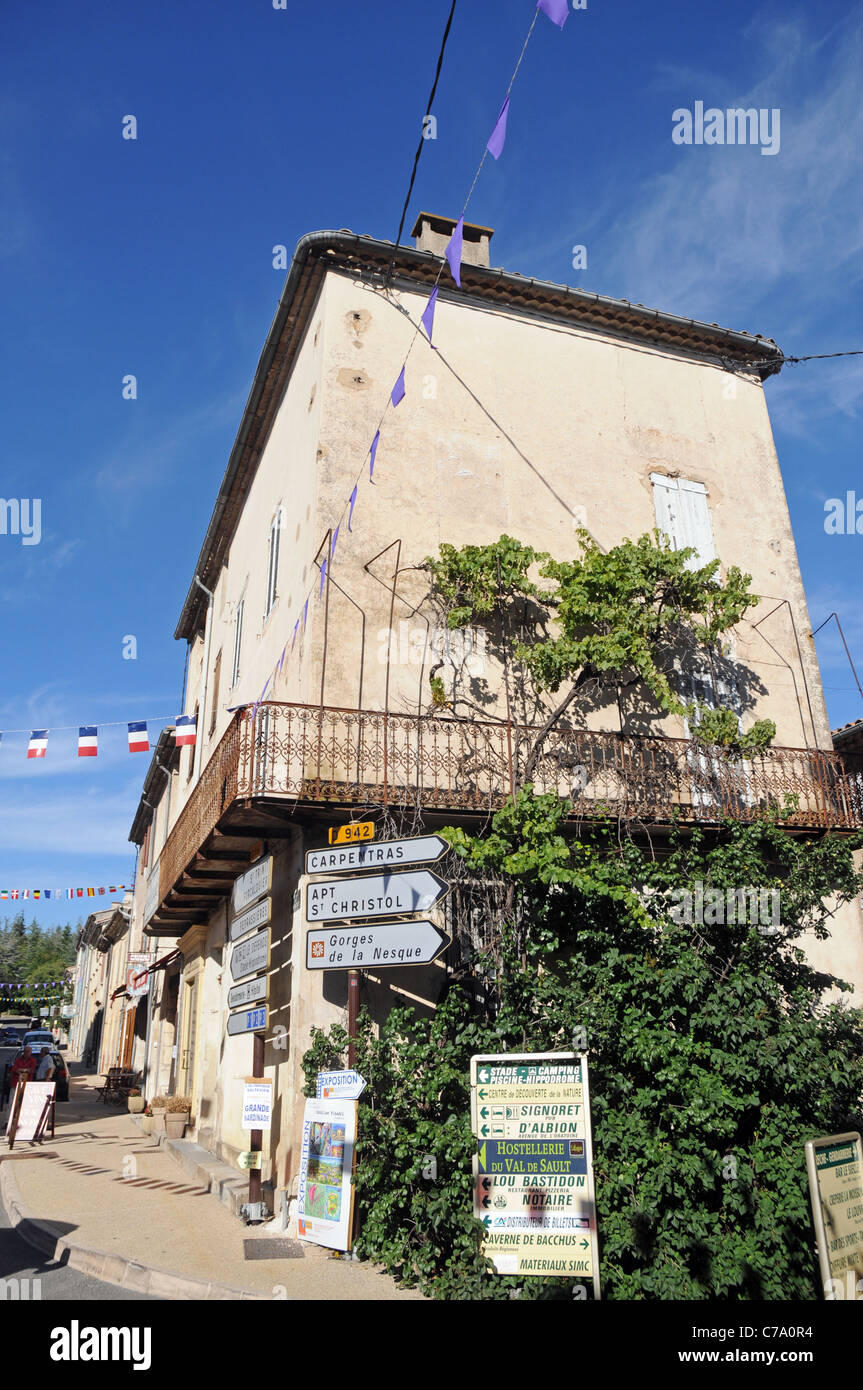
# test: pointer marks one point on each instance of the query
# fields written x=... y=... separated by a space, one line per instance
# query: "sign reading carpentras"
x=387 y=854
x=374 y=895
x=835 y=1168
x=533 y=1174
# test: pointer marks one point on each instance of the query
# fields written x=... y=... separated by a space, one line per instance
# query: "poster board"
x=835 y=1168
x=257 y=1103
x=325 y=1194
x=31 y=1107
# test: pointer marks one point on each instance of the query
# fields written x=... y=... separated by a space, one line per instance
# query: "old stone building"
x=538 y=409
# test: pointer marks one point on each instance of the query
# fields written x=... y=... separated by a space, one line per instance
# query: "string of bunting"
x=37 y=894
x=558 y=12
x=27 y=984
x=185 y=734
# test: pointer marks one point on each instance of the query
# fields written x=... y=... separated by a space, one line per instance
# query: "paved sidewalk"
x=130 y=1214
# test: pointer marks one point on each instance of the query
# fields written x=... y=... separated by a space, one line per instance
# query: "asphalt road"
x=47 y=1281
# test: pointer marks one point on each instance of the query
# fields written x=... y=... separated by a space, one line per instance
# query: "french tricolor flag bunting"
x=38 y=743
x=138 y=740
x=185 y=732
x=88 y=741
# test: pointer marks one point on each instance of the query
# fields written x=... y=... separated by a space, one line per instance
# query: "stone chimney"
x=432 y=234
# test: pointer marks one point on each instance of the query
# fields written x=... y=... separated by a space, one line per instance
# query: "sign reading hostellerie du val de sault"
x=533 y=1174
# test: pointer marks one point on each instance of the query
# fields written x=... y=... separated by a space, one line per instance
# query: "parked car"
x=39 y=1037
x=61 y=1071
x=10 y=1037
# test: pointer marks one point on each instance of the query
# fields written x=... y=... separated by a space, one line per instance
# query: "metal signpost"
x=250 y=955
x=373 y=896
x=533 y=1173
x=382 y=944
x=835 y=1168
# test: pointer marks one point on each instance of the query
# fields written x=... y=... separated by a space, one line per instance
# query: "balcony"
x=293 y=757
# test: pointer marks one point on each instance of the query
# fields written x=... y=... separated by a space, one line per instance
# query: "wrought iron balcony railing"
x=306 y=754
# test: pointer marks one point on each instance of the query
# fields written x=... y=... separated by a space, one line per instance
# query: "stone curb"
x=99 y=1264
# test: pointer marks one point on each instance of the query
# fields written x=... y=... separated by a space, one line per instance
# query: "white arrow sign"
x=375 y=895
x=339 y=1085
x=384 y=854
x=251 y=955
x=384 y=944
x=251 y=992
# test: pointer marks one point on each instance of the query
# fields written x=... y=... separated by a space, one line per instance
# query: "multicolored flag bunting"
x=138 y=740
x=88 y=741
x=186 y=730
x=53 y=894
x=498 y=136
x=38 y=743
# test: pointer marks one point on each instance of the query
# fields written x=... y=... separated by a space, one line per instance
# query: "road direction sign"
x=835 y=1168
x=251 y=956
x=253 y=884
x=544 y=1156
x=249 y=1021
x=250 y=992
x=384 y=944
x=533 y=1172
x=374 y=895
x=385 y=854
x=339 y=1085
x=253 y=917
x=554 y=1121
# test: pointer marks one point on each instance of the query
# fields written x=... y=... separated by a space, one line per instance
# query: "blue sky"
x=255 y=125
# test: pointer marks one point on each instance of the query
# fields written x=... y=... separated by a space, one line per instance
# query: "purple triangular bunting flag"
x=557 y=10
x=323 y=575
x=374 y=447
x=498 y=136
x=333 y=541
x=453 y=251
x=398 y=392
x=427 y=319
x=353 y=504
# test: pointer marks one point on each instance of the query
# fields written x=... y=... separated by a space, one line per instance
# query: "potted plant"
x=136 y=1102
x=147 y=1120
x=177 y=1113
x=158 y=1104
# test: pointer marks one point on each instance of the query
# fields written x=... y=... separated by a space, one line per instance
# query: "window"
x=683 y=515
x=238 y=639
x=273 y=569
x=214 y=708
